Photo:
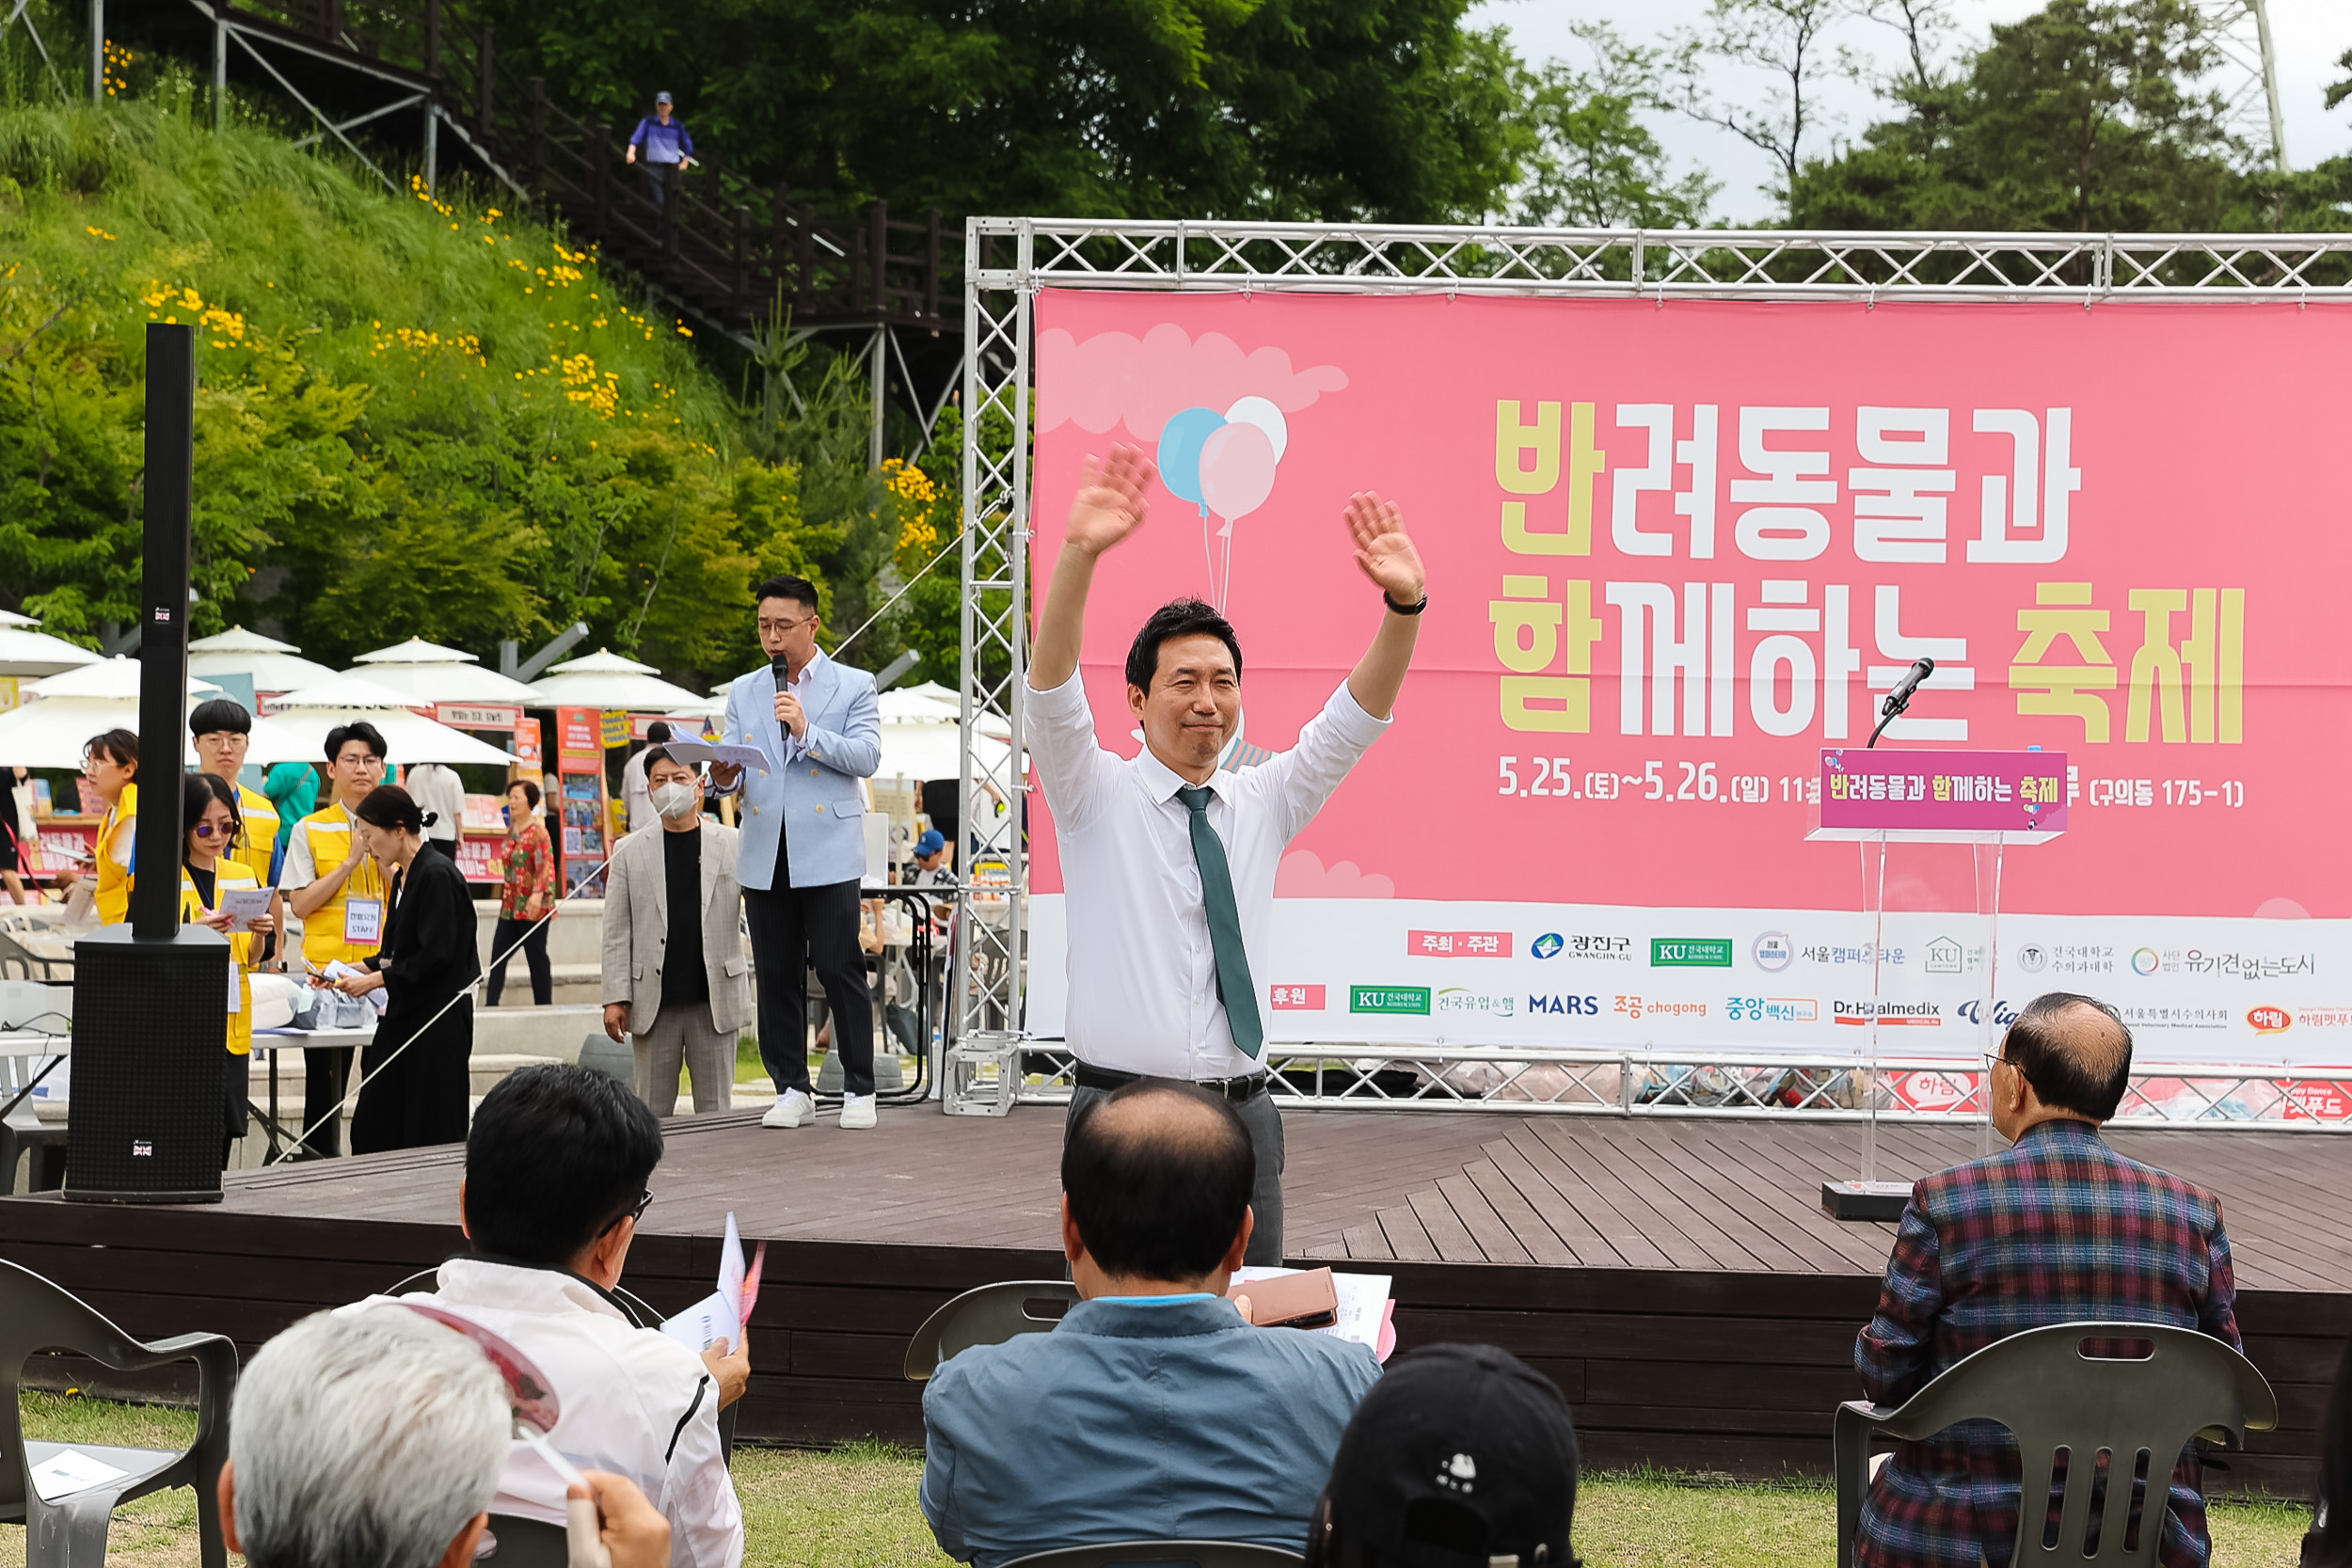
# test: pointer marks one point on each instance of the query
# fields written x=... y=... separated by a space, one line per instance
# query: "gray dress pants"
x=682 y=1037
x=1265 y=1198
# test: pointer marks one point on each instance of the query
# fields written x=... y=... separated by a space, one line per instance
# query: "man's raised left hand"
x=1383 y=549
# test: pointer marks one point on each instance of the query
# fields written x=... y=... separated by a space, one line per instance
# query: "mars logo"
x=1546 y=946
x=2269 y=1020
x=1566 y=1007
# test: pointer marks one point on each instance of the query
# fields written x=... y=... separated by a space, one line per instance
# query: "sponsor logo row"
x=1776 y=951
x=1428 y=1001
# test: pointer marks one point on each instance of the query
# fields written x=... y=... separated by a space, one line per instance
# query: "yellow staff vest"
x=114 y=882
x=257 y=839
x=330 y=831
x=227 y=877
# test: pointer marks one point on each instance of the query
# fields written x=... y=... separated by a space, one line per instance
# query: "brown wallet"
x=1307 y=1300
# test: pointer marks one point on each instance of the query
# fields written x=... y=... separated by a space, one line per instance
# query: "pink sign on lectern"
x=1942 y=797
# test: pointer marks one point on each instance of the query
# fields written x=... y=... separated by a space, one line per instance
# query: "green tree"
x=2086 y=116
x=1786 y=40
x=1586 y=159
x=1385 y=109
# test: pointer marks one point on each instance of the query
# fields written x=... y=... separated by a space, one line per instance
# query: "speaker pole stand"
x=150 y=1019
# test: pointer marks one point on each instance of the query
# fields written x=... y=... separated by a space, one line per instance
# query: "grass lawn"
x=857 y=1505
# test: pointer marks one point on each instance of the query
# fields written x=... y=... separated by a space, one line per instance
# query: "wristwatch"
x=1406 y=609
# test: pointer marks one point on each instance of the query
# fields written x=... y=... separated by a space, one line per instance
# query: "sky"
x=2307 y=36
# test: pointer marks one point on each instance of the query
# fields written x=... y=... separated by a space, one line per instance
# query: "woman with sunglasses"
x=416 y=1072
x=209 y=807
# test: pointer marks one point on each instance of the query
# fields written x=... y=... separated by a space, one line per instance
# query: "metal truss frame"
x=1008 y=260
x=1512 y=1080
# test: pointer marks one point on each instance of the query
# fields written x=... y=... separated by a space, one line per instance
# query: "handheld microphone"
x=784 y=674
x=1899 y=698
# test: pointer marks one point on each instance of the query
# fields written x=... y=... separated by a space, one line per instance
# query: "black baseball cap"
x=1461 y=1456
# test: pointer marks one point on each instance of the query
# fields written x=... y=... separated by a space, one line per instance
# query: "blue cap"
x=930 y=844
x=662 y=97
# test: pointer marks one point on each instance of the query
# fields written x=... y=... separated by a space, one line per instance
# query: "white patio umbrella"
x=302 y=718
x=27 y=653
x=427 y=674
x=923 y=752
x=273 y=665
x=67 y=709
x=605 y=681
x=931 y=703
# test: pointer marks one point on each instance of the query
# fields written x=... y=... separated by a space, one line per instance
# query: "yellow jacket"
x=330 y=839
x=256 y=843
x=243 y=946
x=114 y=878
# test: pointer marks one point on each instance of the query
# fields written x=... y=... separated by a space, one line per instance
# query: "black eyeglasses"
x=637 y=1212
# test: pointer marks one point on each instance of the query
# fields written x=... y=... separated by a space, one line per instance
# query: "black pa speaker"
x=150 y=1041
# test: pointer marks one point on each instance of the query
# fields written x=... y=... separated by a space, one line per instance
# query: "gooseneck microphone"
x=1899 y=698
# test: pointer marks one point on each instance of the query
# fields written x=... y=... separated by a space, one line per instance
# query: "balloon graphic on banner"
x=1263 y=413
x=1236 y=471
x=1180 y=440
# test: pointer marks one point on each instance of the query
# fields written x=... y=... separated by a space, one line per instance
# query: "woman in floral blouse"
x=529 y=897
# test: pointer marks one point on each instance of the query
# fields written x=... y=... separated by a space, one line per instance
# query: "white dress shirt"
x=633 y=1402
x=1142 y=973
x=435 y=788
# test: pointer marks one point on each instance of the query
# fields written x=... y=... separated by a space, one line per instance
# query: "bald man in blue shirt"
x=1153 y=1409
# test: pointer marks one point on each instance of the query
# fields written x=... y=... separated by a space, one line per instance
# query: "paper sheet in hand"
x=1363 y=1303
x=336 y=970
x=247 y=905
x=62 y=1474
x=692 y=752
x=705 y=1323
x=731 y=1268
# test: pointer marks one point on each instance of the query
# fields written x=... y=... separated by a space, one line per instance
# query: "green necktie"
x=1234 y=986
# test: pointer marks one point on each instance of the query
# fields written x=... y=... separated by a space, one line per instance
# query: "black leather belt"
x=1235 y=1089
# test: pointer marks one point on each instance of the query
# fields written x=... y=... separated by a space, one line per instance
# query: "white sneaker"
x=857 y=1110
x=792 y=1108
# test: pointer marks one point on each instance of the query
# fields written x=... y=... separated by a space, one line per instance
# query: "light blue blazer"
x=817 y=792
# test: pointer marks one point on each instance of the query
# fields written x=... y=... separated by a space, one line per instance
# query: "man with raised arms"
x=1169 y=859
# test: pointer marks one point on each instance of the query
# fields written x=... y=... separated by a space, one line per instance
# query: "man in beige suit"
x=676 y=978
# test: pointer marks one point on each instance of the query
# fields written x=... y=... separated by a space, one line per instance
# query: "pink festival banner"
x=1675 y=552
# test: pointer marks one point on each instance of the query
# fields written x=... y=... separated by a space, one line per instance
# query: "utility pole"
x=2271 y=83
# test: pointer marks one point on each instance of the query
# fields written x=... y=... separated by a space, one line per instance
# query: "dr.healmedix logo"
x=1929 y=1014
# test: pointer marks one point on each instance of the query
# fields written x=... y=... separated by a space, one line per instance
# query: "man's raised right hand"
x=1110 y=502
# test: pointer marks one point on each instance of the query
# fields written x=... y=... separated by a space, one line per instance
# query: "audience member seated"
x=557 y=1166
x=1463 y=1454
x=2058 y=1228
x=2329 y=1545
x=374 y=1439
x=1154 y=1410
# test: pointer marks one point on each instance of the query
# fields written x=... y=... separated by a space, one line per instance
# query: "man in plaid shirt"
x=2060 y=1228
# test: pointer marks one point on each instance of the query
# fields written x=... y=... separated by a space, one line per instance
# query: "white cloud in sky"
x=2307 y=35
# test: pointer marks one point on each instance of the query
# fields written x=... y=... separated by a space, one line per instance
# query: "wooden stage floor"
x=1676 y=1277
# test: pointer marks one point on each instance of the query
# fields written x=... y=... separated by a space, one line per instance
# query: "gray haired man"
x=374 y=1438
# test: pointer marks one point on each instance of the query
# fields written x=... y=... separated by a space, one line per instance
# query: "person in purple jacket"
x=661 y=139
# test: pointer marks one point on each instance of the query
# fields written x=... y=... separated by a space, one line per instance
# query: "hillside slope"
x=413 y=418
